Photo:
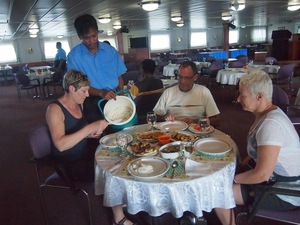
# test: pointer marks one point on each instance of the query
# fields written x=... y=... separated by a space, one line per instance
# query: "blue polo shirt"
x=103 y=68
x=61 y=54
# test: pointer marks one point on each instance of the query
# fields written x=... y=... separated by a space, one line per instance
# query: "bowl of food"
x=171 y=150
x=164 y=139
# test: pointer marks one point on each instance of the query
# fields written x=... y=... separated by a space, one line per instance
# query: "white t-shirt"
x=193 y=104
x=277 y=129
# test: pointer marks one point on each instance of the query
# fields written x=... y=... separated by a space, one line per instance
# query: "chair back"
x=240 y=56
x=131 y=66
x=280 y=98
x=22 y=79
x=268 y=59
x=57 y=76
x=40 y=141
x=236 y=64
x=130 y=75
x=244 y=60
x=210 y=59
x=215 y=66
x=286 y=71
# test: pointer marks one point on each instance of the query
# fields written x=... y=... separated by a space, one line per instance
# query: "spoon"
x=174 y=165
x=115 y=121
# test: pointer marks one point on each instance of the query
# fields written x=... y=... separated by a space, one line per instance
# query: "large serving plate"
x=193 y=129
x=182 y=136
x=110 y=140
x=160 y=167
x=151 y=151
x=212 y=146
x=150 y=136
x=172 y=126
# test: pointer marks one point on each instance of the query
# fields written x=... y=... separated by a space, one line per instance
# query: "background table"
x=272 y=68
x=230 y=76
x=162 y=195
x=4 y=71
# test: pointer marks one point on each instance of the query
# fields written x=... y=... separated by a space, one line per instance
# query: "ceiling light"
x=226 y=16
x=60 y=36
x=236 y=6
x=33 y=35
x=104 y=19
x=34 y=30
x=117 y=26
x=181 y=24
x=150 y=6
x=293 y=7
x=175 y=18
x=109 y=33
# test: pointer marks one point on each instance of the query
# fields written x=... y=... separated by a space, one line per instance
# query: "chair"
x=210 y=59
x=131 y=66
x=284 y=76
x=54 y=81
x=130 y=75
x=268 y=60
x=288 y=216
x=211 y=71
x=41 y=145
x=236 y=64
x=244 y=60
x=25 y=83
x=144 y=104
x=240 y=56
x=280 y=98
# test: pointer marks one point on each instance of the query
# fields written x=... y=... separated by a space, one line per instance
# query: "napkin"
x=110 y=164
x=197 y=169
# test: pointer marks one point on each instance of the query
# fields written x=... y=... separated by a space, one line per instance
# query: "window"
x=159 y=42
x=259 y=34
x=50 y=48
x=233 y=36
x=198 y=39
x=10 y=54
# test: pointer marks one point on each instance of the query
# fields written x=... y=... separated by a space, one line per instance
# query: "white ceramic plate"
x=150 y=136
x=192 y=129
x=212 y=146
x=172 y=126
x=110 y=140
x=190 y=136
x=152 y=153
x=160 y=167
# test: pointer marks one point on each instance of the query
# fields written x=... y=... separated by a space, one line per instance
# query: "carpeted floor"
x=19 y=195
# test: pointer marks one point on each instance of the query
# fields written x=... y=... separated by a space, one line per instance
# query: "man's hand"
x=109 y=95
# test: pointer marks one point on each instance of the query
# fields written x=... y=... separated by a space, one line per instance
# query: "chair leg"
x=238 y=218
x=89 y=206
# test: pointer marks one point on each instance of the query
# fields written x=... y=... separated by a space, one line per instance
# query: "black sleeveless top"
x=72 y=124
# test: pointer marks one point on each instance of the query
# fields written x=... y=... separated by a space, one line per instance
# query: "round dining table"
x=230 y=76
x=200 y=183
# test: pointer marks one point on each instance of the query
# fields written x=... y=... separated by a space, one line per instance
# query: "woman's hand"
x=97 y=128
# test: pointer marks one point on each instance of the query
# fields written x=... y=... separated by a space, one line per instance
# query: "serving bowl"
x=171 y=150
x=164 y=139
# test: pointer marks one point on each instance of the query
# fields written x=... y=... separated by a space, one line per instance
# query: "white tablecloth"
x=272 y=68
x=169 y=82
x=230 y=76
x=41 y=76
x=162 y=195
x=36 y=68
x=170 y=69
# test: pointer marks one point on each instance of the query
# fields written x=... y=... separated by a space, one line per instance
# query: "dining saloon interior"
x=168 y=32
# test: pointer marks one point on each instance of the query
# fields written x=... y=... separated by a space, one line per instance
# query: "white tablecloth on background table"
x=161 y=195
x=41 y=76
x=272 y=68
x=169 y=70
x=231 y=75
x=36 y=68
x=169 y=82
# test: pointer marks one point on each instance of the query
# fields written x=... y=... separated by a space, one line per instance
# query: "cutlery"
x=174 y=165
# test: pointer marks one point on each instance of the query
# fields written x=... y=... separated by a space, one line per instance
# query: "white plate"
x=172 y=126
x=192 y=137
x=145 y=154
x=212 y=146
x=160 y=167
x=192 y=129
x=110 y=140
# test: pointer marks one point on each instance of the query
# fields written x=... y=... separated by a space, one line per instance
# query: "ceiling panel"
x=55 y=17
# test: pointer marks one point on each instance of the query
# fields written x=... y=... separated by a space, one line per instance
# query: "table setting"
x=162 y=179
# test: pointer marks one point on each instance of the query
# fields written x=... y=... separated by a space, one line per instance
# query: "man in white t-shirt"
x=187 y=101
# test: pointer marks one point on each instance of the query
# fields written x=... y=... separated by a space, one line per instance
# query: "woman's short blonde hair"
x=258 y=82
x=75 y=78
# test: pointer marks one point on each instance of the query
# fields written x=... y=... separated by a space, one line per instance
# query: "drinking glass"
x=271 y=62
x=204 y=124
x=204 y=59
x=122 y=141
x=151 y=118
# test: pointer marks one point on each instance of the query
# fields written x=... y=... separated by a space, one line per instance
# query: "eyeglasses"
x=185 y=78
x=82 y=78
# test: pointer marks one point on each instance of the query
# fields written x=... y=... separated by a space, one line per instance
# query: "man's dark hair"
x=84 y=23
x=148 y=65
x=191 y=64
x=58 y=44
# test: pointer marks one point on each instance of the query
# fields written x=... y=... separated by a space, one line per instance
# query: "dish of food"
x=212 y=146
x=110 y=140
x=150 y=136
x=171 y=150
x=172 y=126
x=148 y=167
x=142 y=149
x=195 y=128
x=182 y=136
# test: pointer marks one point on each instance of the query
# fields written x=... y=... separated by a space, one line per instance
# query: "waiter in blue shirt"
x=60 y=57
